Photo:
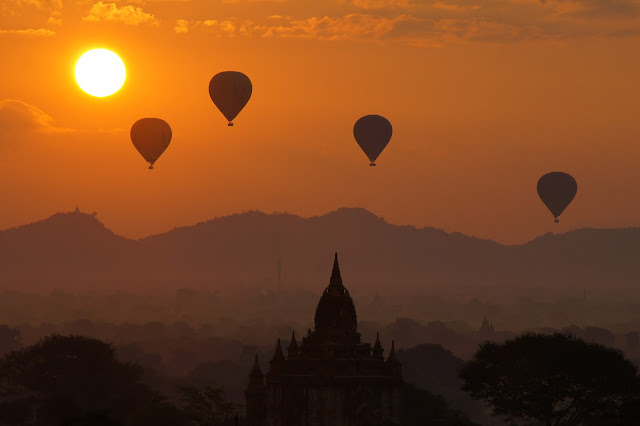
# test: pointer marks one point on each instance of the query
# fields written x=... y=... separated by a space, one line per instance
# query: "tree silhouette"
x=421 y=408
x=75 y=380
x=554 y=379
x=207 y=406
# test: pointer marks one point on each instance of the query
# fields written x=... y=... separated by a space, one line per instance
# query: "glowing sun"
x=100 y=72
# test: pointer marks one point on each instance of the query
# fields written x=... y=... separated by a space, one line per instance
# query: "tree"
x=421 y=408
x=207 y=406
x=74 y=380
x=434 y=368
x=555 y=379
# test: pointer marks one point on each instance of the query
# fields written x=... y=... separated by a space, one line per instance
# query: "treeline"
x=238 y=311
x=426 y=367
x=80 y=381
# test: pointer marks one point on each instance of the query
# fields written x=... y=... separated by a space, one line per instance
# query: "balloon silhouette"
x=373 y=133
x=556 y=190
x=151 y=136
x=230 y=91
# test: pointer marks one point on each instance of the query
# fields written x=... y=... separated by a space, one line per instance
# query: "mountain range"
x=75 y=251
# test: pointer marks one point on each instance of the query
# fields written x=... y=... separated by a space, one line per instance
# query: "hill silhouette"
x=76 y=251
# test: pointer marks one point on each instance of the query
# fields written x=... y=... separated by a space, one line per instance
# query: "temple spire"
x=256 y=366
x=277 y=363
x=278 y=355
x=293 y=350
x=256 y=377
x=336 y=278
x=335 y=312
x=392 y=361
x=377 y=348
x=392 y=353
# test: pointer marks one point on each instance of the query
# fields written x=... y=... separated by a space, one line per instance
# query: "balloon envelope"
x=556 y=190
x=151 y=137
x=230 y=91
x=373 y=133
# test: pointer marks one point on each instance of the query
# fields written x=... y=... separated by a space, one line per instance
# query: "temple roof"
x=333 y=353
x=256 y=366
x=278 y=356
x=335 y=311
x=393 y=359
x=293 y=349
x=256 y=377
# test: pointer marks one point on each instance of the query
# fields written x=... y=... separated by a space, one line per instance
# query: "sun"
x=100 y=72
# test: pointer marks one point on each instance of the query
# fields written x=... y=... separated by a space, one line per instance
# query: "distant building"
x=331 y=378
x=486 y=331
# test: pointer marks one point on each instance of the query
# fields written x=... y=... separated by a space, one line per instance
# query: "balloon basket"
x=556 y=221
x=230 y=124
x=372 y=164
x=151 y=167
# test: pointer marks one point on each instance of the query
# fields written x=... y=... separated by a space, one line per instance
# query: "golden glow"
x=100 y=72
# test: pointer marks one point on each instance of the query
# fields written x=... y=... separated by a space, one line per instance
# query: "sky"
x=485 y=96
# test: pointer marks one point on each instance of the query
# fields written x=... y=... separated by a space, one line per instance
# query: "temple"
x=331 y=378
x=486 y=331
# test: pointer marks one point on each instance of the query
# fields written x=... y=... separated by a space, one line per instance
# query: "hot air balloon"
x=373 y=133
x=230 y=91
x=556 y=190
x=151 y=136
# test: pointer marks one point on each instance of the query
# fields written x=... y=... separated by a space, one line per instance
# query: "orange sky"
x=485 y=96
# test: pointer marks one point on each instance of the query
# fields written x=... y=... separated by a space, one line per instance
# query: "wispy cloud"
x=381 y=4
x=54 y=21
x=406 y=29
x=40 y=32
x=181 y=27
x=430 y=22
x=255 y=1
x=48 y=5
x=223 y=28
x=20 y=117
x=110 y=12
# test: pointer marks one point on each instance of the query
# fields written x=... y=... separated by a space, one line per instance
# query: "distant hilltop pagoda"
x=331 y=378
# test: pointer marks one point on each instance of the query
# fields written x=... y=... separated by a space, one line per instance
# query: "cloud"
x=226 y=28
x=439 y=32
x=182 y=26
x=54 y=21
x=223 y=27
x=110 y=12
x=254 y=1
x=405 y=29
x=40 y=32
x=598 y=8
x=42 y=4
x=30 y=8
x=428 y=22
x=17 y=117
x=348 y=27
x=381 y=4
